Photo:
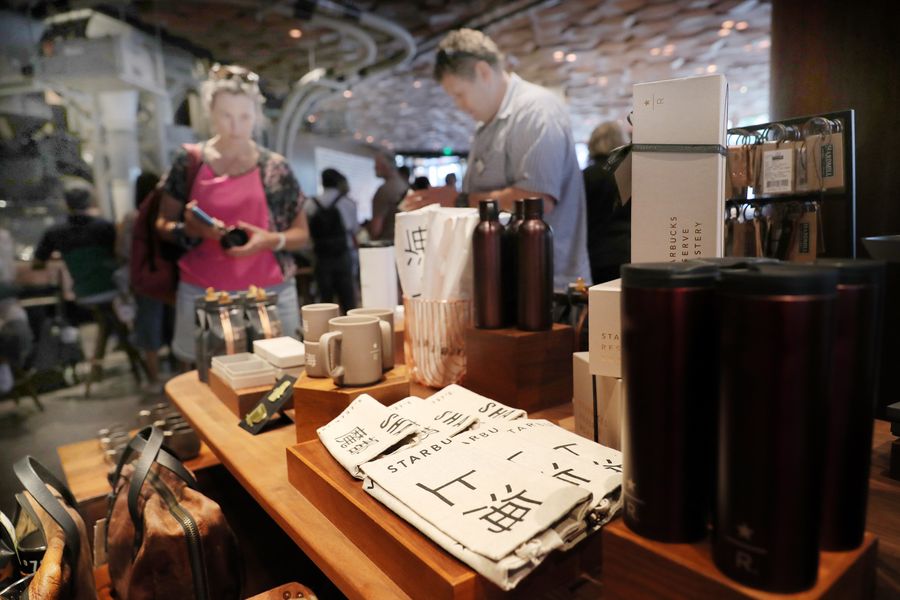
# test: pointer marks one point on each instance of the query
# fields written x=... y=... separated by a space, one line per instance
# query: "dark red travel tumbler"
x=850 y=407
x=775 y=350
x=670 y=365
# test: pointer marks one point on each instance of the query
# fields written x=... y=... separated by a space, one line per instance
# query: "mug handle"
x=327 y=351
x=387 y=345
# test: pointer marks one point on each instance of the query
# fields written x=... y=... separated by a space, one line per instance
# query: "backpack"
x=327 y=229
x=165 y=539
x=153 y=269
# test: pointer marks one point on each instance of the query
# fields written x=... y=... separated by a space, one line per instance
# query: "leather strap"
x=142 y=468
x=165 y=458
x=35 y=478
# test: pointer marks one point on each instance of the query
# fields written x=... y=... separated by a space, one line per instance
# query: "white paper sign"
x=778 y=171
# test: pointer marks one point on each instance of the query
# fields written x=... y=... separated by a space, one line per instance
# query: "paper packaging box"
x=678 y=197
x=605 y=337
x=598 y=404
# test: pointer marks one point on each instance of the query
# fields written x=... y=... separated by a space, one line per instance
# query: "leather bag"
x=165 y=539
x=54 y=553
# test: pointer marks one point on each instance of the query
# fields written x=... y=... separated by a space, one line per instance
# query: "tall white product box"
x=678 y=177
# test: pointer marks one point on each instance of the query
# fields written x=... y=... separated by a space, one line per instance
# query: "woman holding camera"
x=254 y=201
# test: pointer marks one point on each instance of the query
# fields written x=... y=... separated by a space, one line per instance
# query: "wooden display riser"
x=415 y=563
x=241 y=401
x=317 y=400
x=531 y=370
x=635 y=568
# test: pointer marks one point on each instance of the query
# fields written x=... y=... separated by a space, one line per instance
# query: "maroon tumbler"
x=510 y=263
x=851 y=399
x=670 y=365
x=776 y=334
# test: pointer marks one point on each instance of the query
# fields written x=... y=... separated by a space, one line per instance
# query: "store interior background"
x=74 y=115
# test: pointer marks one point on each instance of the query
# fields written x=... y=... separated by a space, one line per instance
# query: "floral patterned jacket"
x=283 y=194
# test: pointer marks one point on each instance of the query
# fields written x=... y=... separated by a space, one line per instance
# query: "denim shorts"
x=185 y=327
x=150 y=323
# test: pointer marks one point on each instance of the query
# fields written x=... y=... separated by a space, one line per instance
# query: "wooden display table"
x=258 y=463
x=687 y=571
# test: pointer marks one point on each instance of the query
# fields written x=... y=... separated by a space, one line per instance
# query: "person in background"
x=333 y=224
x=523 y=147
x=608 y=219
x=450 y=180
x=387 y=197
x=421 y=183
x=153 y=319
x=16 y=338
x=87 y=245
x=239 y=183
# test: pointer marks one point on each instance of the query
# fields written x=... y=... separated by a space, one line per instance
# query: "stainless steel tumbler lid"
x=669 y=275
x=782 y=279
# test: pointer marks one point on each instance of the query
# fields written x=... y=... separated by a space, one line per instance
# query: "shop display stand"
x=240 y=401
x=318 y=400
x=637 y=568
x=838 y=206
x=531 y=370
x=418 y=565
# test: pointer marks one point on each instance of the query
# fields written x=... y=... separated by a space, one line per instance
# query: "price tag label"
x=778 y=171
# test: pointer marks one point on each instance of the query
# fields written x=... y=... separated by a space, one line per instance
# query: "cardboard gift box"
x=598 y=404
x=605 y=334
x=678 y=181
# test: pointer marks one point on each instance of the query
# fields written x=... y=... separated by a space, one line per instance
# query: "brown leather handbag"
x=165 y=539
x=52 y=543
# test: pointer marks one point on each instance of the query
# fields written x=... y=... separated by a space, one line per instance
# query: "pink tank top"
x=230 y=199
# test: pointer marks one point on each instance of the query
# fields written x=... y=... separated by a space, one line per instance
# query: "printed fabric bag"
x=498 y=517
x=51 y=544
x=456 y=397
x=364 y=431
x=164 y=539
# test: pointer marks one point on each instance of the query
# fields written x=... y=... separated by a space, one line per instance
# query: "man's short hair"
x=77 y=198
x=332 y=178
x=460 y=51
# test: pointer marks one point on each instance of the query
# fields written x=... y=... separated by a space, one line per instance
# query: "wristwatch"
x=462 y=200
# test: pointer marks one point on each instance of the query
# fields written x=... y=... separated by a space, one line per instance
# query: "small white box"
x=598 y=404
x=605 y=337
x=283 y=352
x=678 y=197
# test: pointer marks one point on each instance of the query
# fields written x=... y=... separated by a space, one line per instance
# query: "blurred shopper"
x=388 y=197
x=421 y=183
x=154 y=318
x=16 y=338
x=608 y=219
x=523 y=146
x=238 y=183
x=333 y=224
x=87 y=246
x=450 y=180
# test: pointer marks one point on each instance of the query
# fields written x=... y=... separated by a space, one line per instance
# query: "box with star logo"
x=678 y=169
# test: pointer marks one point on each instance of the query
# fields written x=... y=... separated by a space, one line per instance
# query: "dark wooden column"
x=832 y=55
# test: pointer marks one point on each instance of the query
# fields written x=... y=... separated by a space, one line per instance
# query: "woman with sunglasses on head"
x=242 y=186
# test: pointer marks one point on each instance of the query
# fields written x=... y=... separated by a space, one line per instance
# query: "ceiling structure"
x=588 y=51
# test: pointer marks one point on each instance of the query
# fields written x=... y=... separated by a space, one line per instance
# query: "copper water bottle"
x=669 y=361
x=487 y=248
x=775 y=349
x=850 y=404
x=510 y=263
x=534 y=245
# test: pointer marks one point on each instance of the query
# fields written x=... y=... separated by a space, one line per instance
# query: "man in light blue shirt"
x=523 y=146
